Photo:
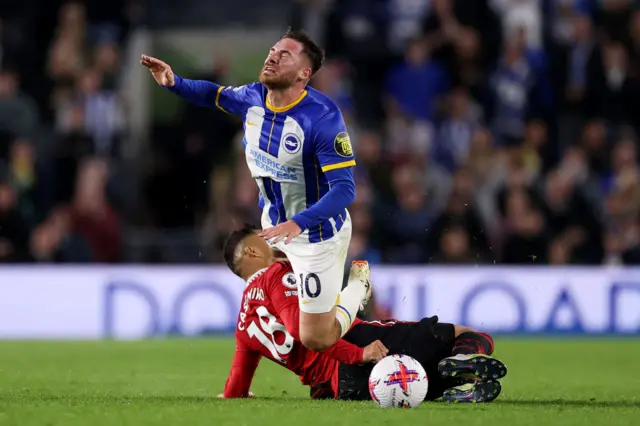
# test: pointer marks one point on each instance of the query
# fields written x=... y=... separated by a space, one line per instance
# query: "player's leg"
x=471 y=370
x=326 y=312
x=471 y=357
x=320 y=330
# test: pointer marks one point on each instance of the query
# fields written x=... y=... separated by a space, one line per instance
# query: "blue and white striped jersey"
x=289 y=150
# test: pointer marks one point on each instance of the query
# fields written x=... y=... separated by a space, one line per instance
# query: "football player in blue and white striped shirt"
x=299 y=152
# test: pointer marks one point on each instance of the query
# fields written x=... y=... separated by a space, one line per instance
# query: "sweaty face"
x=285 y=65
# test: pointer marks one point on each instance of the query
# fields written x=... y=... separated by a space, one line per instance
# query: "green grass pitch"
x=174 y=382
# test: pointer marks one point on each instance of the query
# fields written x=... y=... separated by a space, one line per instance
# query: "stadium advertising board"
x=142 y=302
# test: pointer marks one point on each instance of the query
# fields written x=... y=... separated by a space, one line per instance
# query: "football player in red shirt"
x=456 y=358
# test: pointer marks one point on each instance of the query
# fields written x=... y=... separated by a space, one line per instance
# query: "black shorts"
x=428 y=341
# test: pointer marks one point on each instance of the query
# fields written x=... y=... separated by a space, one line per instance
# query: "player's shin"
x=354 y=296
x=473 y=342
x=348 y=306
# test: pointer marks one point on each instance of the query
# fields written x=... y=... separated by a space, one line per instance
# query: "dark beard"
x=282 y=83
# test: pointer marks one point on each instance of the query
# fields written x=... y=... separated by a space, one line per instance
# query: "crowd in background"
x=498 y=131
x=485 y=131
x=62 y=122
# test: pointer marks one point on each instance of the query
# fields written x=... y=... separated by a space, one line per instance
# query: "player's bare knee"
x=459 y=329
x=317 y=331
x=315 y=342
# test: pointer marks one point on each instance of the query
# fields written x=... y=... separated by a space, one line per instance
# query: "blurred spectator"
x=512 y=85
x=538 y=153
x=562 y=14
x=622 y=246
x=612 y=19
x=18 y=113
x=454 y=247
x=415 y=86
x=373 y=166
x=461 y=211
x=451 y=22
x=92 y=217
x=358 y=33
x=406 y=222
x=613 y=89
x=14 y=230
x=572 y=63
x=594 y=142
x=569 y=216
x=487 y=169
x=103 y=113
x=462 y=119
x=525 y=239
x=26 y=180
x=72 y=146
x=333 y=80
x=361 y=249
x=521 y=14
x=53 y=241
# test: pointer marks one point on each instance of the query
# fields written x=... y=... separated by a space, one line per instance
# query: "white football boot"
x=360 y=272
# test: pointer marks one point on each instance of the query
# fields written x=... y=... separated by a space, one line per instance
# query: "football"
x=398 y=381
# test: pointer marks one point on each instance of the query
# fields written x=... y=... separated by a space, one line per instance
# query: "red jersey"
x=268 y=325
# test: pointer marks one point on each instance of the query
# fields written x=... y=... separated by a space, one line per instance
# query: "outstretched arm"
x=199 y=92
x=243 y=367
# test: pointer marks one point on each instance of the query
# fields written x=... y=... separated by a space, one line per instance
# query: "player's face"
x=285 y=65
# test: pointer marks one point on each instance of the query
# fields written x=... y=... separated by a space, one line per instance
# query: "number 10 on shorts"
x=310 y=286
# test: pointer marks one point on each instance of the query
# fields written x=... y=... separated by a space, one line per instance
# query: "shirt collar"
x=255 y=275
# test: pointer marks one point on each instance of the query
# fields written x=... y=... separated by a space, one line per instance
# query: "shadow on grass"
x=135 y=399
x=573 y=403
x=24 y=397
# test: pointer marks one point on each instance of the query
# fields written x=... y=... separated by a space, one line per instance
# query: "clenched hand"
x=374 y=352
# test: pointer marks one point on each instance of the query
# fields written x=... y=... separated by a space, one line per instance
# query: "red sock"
x=472 y=342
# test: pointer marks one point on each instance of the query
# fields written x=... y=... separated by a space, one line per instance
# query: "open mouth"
x=268 y=70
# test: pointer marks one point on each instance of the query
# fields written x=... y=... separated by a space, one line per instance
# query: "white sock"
x=348 y=304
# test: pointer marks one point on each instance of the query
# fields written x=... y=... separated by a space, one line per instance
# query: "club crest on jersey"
x=342 y=145
x=289 y=281
x=291 y=143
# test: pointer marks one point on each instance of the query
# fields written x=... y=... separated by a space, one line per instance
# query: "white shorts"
x=321 y=266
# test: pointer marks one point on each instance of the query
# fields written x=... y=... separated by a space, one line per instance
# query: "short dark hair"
x=314 y=52
x=231 y=244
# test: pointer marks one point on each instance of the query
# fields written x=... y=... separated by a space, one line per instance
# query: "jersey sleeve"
x=345 y=352
x=229 y=99
x=332 y=143
x=243 y=367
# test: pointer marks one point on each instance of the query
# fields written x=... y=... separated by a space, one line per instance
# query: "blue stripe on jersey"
x=323 y=184
x=271 y=133
x=273 y=191
x=313 y=191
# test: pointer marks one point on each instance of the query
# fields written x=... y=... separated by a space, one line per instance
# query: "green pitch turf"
x=174 y=382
